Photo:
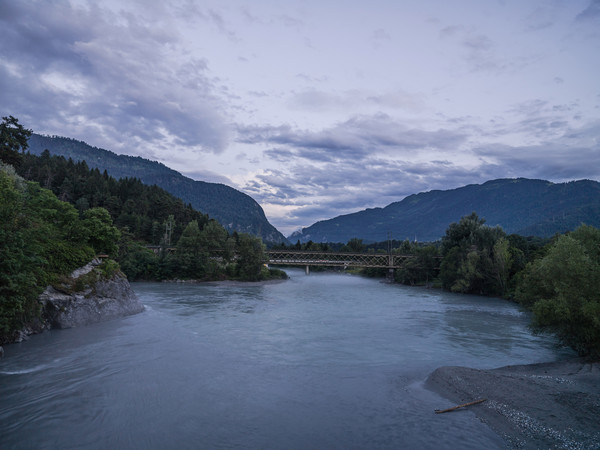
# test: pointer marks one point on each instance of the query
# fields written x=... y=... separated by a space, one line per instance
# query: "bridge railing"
x=303 y=258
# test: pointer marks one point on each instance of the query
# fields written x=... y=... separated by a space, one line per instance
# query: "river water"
x=324 y=361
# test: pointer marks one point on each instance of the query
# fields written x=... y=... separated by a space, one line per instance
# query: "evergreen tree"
x=13 y=140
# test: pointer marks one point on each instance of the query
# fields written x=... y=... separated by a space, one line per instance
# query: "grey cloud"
x=322 y=192
x=321 y=186
x=311 y=99
x=120 y=84
x=356 y=137
x=574 y=155
x=592 y=12
x=218 y=20
x=208 y=176
x=380 y=35
x=289 y=21
x=480 y=53
x=450 y=31
x=479 y=50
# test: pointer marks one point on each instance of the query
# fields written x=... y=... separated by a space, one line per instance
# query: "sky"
x=315 y=108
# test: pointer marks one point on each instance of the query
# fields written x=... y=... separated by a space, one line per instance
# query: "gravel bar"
x=547 y=405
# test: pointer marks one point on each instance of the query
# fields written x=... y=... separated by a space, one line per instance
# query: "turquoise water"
x=320 y=361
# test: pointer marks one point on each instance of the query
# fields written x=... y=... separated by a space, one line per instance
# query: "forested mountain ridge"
x=235 y=210
x=521 y=206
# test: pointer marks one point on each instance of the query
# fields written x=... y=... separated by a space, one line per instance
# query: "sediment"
x=547 y=405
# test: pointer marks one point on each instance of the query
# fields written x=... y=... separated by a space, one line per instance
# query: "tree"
x=103 y=236
x=419 y=269
x=13 y=140
x=250 y=250
x=41 y=238
x=475 y=257
x=354 y=245
x=190 y=256
x=563 y=290
x=214 y=236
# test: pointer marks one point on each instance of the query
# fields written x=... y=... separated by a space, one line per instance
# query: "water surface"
x=319 y=361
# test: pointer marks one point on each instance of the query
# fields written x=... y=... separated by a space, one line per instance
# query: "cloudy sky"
x=315 y=108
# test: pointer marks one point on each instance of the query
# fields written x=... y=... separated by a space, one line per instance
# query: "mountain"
x=235 y=210
x=520 y=206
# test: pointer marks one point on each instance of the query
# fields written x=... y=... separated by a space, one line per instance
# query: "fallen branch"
x=439 y=411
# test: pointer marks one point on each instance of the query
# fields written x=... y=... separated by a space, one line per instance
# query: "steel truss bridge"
x=325 y=259
x=344 y=260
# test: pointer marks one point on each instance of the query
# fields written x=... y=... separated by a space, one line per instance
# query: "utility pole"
x=390 y=275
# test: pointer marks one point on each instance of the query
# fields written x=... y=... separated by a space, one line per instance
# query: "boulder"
x=87 y=297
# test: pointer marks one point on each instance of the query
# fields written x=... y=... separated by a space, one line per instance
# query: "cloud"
x=207 y=175
x=480 y=52
x=313 y=99
x=592 y=12
x=118 y=79
x=371 y=161
x=333 y=190
x=356 y=137
x=575 y=154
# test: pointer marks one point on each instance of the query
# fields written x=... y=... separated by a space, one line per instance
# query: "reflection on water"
x=319 y=361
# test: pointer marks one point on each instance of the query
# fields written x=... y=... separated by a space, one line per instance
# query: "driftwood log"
x=440 y=411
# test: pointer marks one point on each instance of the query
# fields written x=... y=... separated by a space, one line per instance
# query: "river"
x=321 y=361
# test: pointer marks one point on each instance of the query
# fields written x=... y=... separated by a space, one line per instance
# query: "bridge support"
x=307 y=270
x=390 y=275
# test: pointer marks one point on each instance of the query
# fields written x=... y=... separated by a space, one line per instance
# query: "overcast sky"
x=315 y=108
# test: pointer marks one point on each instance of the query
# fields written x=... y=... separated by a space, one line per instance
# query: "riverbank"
x=548 y=405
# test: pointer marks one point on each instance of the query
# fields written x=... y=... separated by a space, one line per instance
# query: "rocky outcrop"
x=88 y=296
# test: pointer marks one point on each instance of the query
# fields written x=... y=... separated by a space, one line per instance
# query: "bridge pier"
x=307 y=270
x=390 y=275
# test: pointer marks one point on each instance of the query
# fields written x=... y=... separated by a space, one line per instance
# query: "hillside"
x=521 y=206
x=235 y=210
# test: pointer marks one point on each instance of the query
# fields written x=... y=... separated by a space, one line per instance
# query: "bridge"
x=345 y=260
x=388 y=261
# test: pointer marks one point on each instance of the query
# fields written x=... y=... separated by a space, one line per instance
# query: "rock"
x=99 y=300
x=86 y=269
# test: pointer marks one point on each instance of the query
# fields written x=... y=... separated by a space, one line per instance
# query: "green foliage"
x=354 y=245
x=191 y=256
x=41 y=238
x=421 y=268
x=109 y=268
x=142 y=210
x=276 y=274
x=213 y=236
x=103 y=236
x=136 y=260
x=13 y=140
x=476 y=258
x=250 y=251
x=563 y=290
